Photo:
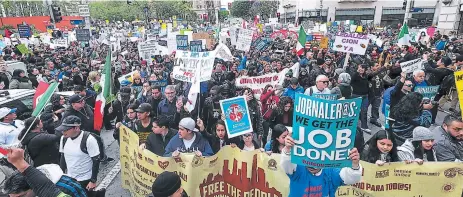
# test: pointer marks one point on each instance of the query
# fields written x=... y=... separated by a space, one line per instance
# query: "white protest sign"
x=244 y=39
x=184 y=74
x=223 y=52
x=172 y=42
x=412 y=65
x=126 y=76
x=351 y=43
x=202 y=61
x=258 y=83
x=147 y=49
x=60 y=43
x=233 y=35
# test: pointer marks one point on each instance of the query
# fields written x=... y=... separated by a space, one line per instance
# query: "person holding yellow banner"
x=308 y=181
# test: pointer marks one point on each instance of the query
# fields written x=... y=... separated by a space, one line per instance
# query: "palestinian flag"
x=42 y=96
x=104 y=95
x=404 y=36
x=301 y=41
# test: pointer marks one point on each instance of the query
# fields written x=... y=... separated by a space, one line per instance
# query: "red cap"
x=143 y=62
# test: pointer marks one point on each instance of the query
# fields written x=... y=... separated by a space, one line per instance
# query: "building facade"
x=364 y=12
x=450 y=17
x=206 y=9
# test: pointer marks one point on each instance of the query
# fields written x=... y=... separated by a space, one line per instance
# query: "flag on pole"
x=42 y=99
x=41 y=89
x=301 y=41
x=404 y=36
x=104 y=95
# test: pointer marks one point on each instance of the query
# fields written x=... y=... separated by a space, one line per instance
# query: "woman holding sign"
x=307 y=181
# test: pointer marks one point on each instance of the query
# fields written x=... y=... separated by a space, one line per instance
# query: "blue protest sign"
x=196 y=46
x=386 y=116
x=428 y=92
x=160 y=83
x=325 y=96
x=237 y=119
x=182 y=42
x=24 y=31
x=324 y=131
x=261 y=45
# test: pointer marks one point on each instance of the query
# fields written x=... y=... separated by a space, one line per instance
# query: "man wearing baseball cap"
x=9 y=126
x=80 y=152
x=188 y=140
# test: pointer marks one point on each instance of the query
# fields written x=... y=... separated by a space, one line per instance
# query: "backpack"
x=71 y=187
x=83 y=143
x=387 y=98
x=447 y=83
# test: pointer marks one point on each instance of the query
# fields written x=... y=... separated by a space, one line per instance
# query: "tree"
x=265 y=9
x=223 y=14
x=241 y=9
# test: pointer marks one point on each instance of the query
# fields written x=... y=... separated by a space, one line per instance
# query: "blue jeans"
x=363 y=110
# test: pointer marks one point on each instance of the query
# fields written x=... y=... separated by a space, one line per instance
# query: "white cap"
x=4 y=111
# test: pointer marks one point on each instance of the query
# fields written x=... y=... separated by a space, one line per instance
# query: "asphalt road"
x=110 y=176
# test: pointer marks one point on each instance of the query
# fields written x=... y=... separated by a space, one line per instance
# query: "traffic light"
x=278 y=15
x=404 y=5
x=56 y=14
x=229 y=6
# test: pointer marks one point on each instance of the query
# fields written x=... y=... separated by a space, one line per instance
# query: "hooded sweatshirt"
x=405 y=152
x=42 y=147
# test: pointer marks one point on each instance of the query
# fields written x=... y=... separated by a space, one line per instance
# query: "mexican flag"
x=42 y=96
x=301 y=41
x=104 y=95
x=404 y=36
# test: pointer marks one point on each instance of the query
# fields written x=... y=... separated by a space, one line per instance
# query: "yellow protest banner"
x=459 y=84
x=359 y=29
x=164 y=26
x=431 y=179
x=324 y=43
x=231 y=172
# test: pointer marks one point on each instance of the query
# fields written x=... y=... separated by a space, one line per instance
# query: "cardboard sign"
x=83 y=35
x=196 y=45
x=324 y=131
x=351 y=43
x=324 y=43
x=412 y=65
x=237 y=118
x=182 y=42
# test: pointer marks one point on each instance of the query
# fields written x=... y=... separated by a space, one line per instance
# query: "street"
x=110 y=176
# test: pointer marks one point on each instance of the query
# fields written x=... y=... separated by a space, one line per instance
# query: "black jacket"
x=277 y=118
x=85 y=115
x=157 y=144
x=42 y=147
x=396 y=94
x=437 y=74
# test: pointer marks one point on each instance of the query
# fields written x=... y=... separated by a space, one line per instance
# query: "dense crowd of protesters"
x=64 y=135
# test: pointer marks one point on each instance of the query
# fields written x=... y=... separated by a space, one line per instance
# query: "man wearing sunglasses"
x=320 y=87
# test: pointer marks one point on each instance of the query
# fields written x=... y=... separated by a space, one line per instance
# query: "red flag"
x=3 y=151
x=42 y=88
